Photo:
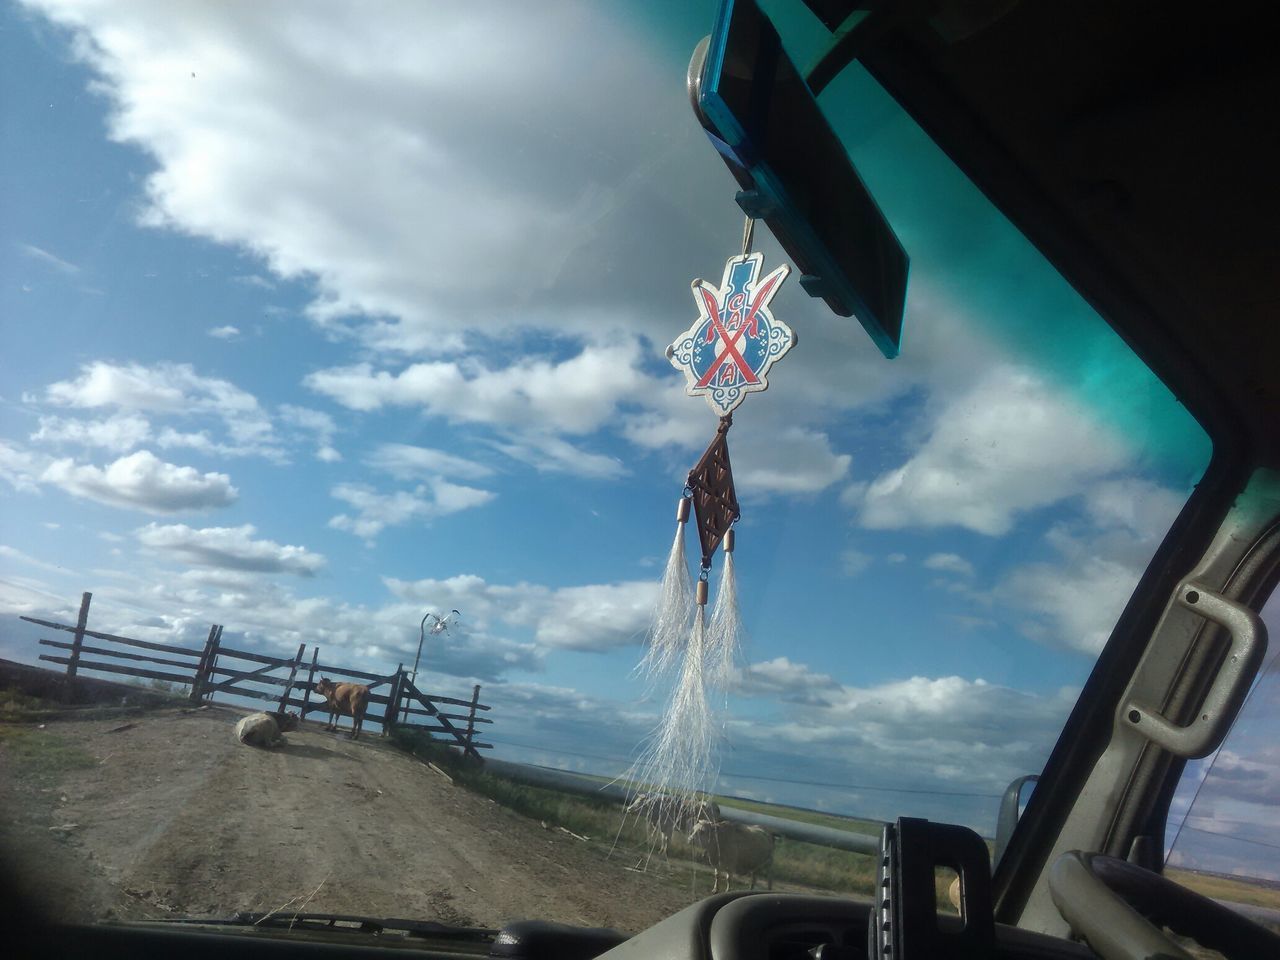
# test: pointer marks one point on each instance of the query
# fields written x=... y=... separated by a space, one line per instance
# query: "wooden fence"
x=217 y=669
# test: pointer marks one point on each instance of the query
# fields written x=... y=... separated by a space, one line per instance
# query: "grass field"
x=38 y=757
x=803 y=864
x=1233 y=889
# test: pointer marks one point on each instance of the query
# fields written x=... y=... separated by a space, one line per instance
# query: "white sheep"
x=734 y=848
x=265 y=729
x=665 y=815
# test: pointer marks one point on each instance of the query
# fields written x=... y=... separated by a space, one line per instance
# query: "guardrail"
x=567 y=782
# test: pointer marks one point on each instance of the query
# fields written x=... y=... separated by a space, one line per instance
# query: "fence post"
x=389 y=718
x=471 y=718
x=73 y=661
x=213 y=660
x=293 y=673
x=202 y=668
x=311 y=677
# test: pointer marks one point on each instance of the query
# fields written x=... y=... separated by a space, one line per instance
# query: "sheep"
x=665 y=815
x=265 y=729
x=734 y=848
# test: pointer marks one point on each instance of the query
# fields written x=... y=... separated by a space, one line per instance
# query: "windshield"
x=334 y=348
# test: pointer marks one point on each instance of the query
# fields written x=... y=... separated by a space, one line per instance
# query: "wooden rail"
x=228 y=671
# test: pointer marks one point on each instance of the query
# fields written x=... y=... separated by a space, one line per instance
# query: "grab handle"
x=1248 y=646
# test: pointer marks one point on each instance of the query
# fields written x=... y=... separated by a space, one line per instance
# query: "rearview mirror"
x=795 y=174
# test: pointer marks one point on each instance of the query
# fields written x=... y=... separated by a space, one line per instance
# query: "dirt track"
x=174 y=818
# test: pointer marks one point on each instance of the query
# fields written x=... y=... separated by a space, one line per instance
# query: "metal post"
x=422 y=636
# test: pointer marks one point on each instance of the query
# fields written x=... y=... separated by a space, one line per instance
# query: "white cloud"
x=318 y=424
x=949 y=563
x=229 y=548
x=538 y=236
x=1139 y=506
x=144 y=482
x=117 y=433
x=376 y=511
x=17 y=556
x=578 y=197
x=261 y=613
x=787 y=681
x=253 y=280
x=793 y=460
x=896 y=558
x=171 y=388
x=548 y=454
x=226 y=332
x=169 y=439
x=591 y=617
x=573 y=396
x=854 y=562
x=527 y=403
x=598 y=617
x=1101 y=557
x=405 y=462
x=25 y=596
x=18 y=468
x=770 y=455
x=925 y=733
x=1010 y=444
x=175 y=390
x=49 y=259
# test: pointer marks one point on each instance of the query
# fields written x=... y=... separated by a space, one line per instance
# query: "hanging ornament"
x=725 y=356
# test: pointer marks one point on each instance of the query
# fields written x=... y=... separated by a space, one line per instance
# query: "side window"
x=1223 y=834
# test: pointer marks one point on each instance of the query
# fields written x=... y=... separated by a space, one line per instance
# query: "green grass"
x=19 y=707
x=833 y=820
x=39 y=757
x=178 y=690
x=1235 y=889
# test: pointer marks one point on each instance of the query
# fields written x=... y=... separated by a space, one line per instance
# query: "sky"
x=314 y=323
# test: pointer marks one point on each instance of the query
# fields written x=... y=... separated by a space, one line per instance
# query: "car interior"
x=1136 y=146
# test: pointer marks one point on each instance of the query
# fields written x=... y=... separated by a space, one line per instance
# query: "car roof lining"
x=1136 y=147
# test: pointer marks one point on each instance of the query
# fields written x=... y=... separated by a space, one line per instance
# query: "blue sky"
x=314 y=324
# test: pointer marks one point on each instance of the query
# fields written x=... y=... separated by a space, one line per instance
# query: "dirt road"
x=172 y=817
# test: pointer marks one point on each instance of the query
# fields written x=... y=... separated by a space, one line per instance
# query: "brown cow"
x=351 y=699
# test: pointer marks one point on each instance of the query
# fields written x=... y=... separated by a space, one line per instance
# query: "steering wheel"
x=1119 y=907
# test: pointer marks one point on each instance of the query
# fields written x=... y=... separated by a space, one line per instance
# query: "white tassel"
x=725 y=631
x=670 y=626
x=678 y=764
